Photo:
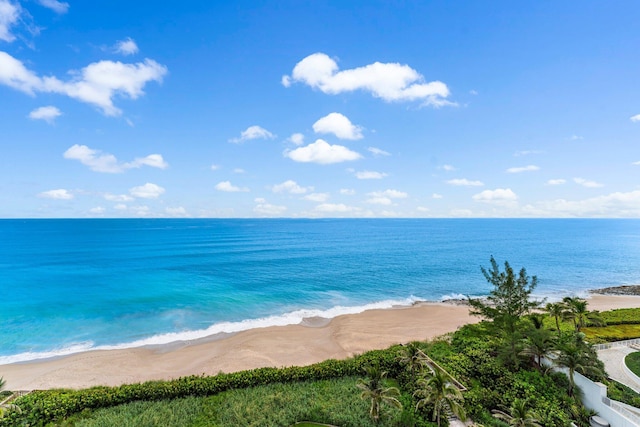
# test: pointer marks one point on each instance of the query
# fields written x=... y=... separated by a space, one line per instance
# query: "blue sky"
x=319 y=109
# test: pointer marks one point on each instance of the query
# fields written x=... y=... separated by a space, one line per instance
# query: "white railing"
x=617 y=406
x=625 y=343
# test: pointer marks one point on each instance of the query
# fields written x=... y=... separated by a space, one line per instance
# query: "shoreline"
x=311 y=341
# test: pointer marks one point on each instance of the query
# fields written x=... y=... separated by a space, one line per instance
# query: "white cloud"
x=317 y=197
x=529 y=168
x=436 y=196
x=98 y=210
x=239 y=170
x=59 y=194
x=55 y=5
x=323 y=153
x=290 y=187
x=297 y=138
x=96 y=84
x=575 y=137
x=393 y=194
x=147 y=191
x=48 y=114
x=497 y=195
x=587 y=183
x=378 y=152
x=423 y=209
x=607 y=206
x=253 y=132
x=636 y=163
x=370 y=175
x=389 y=81
x=9 y=16
x=448 y=168
x=465 y=182
x=635 y=118
x=230 y=188
x=120 y=207
x=108 y=163
x=264 y=208
x=335 y=208
x=215 y=167
x=178 y=212
x=339 y=125
x=126 y=47
x=559 y=181
x=379 y=201
x=347 y=191
x=118 y=197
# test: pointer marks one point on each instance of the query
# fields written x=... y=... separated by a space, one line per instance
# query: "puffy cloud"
x=347 y=191
x=384 y=197
x=264 y=208
x=447 y=168
x=290 y=187
x=215 y=167
x=616 y=204
x=378 y=152
x=559 y=181
x=57 y=6
x=317 y=197
x=120 y=207
x=423 y=209
x=636 y=163
x=497 y=195
x=107 y=163
x=389 y=81
x=96 y=84
x=48 y=114
x=126 y=47
x=296 y=138
x=465 y=182
x=147 y=191
x=323 y=153
x=335 y=208
x=9 y=16
x=370 y=175
x=529 y=168
x=587 y=183
x=178 y=212
x=436 y=196
x=252 y=132
x=230 y=188
x=118 y=197
x=59 y=194
x=339 y=125
x=98 y=210
x=635 y=118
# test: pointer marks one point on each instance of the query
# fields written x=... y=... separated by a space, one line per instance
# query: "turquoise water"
x=73 y=285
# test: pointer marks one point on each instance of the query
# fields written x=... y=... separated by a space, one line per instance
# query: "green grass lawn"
x=633 y=362
x=611 y=333
x=335 y=402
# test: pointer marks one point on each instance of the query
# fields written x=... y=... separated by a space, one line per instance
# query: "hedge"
x=44 y=406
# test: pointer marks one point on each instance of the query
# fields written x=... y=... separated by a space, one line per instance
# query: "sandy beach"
x=311 y=342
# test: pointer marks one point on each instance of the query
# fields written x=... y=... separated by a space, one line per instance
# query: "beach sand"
x=313 y=341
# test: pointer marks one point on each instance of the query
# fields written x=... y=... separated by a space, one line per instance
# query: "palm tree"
x=538 y=344
x=438 y=390
x=576 y=357
x=519 y=415
x=373 y=388
x=579 y=314
x=413 y=358
x=557 y=310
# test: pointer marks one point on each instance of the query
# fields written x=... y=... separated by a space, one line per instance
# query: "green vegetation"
x=633 y=362
x=499 y=361
x=611 y=333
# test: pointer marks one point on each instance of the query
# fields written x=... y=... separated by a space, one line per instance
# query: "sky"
x=398 y=109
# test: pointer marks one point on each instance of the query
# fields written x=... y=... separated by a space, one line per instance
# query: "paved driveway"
x=613 y=359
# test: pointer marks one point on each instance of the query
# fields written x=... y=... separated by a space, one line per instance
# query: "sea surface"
x=72 y=285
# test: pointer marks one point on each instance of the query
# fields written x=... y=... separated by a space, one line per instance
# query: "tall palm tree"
x=519 y=415
x=413 y=358
x=578 y=312
x=436 y=389
x=374 y=388
x=576 y=357
x=557 y=310
x=537 y=344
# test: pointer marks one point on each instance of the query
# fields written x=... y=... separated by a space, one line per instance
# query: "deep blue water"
x=71 y=285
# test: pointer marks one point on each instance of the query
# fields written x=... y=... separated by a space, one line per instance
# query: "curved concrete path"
x=613 y=359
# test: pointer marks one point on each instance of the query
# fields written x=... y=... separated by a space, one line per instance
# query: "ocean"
x=71 y=285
